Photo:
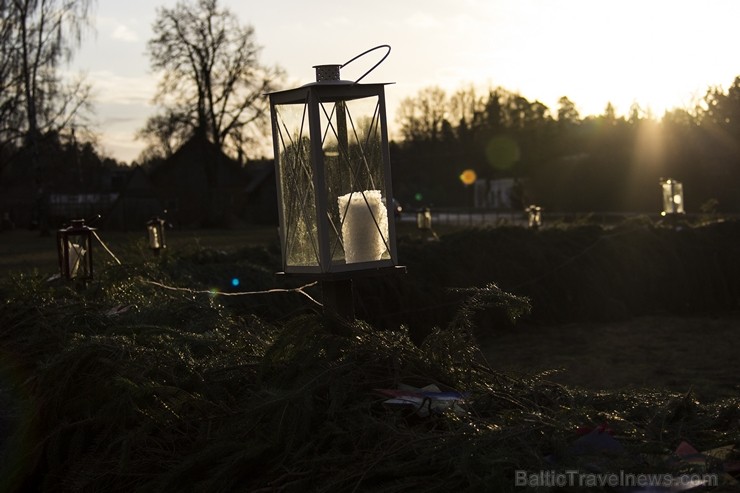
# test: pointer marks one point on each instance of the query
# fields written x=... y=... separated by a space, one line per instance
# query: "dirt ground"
x=678 y=354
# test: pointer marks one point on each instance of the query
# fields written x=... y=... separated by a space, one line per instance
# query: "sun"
x=656 y=56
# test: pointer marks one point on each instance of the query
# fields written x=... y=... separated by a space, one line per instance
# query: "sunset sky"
x=658 y=53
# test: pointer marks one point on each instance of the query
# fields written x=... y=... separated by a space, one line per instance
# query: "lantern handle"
x=365 y=53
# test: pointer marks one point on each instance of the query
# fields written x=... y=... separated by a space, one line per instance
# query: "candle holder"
x=534 y=216
x=75 y=251
x=333 y=174
x=672 y=197
x=424 y=219
x=155 y=235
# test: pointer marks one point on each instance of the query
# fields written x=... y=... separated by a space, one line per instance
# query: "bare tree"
x=421 y=117
x=47 y=33
x=212 y=81
x=163 y=132
x=36 y=36
x=10 y=101
x=465 y=104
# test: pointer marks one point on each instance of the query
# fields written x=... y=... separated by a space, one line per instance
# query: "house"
x=200 y=186
x=136 y=202
x=261 y=205
x=499 y=194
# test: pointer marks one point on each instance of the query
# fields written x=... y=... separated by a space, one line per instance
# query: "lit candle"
x=364 y=226
x=154 y=242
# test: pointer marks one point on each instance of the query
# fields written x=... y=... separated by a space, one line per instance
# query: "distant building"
x=200 y=186
x=135 y=203
x=66 y=206
x=261 y=205
x=498 y=194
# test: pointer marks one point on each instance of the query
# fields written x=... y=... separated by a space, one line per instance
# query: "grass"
x=26 y=251
x=670 y=352
x=679 y=354
x=126 y=386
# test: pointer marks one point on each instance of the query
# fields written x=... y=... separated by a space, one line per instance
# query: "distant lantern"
x=75 y=251
x=534 y=216
x=424 y=219
x=672 y=197
x=155 y=234
x=333 y=172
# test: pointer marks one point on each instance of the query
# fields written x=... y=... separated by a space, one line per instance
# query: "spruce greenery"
x=124 y=386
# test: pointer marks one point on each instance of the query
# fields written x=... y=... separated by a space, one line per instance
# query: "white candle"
x=364 y=226
x=154 y=242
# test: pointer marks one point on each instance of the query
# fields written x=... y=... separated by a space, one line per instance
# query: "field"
x=24 y=250
x=132 y=385
x=681 y=354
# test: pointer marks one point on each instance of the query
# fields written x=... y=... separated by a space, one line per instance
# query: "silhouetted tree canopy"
x=212 y=80
x=567 y=162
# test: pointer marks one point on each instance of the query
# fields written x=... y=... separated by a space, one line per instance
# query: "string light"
x=214 y=292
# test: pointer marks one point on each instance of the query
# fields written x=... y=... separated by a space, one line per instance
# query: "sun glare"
x=655 y=55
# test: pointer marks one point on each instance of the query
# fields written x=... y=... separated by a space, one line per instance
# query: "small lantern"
x=333 y=175
x=672 y=196
x=74 y=247
x=155 y=232
x=424 y=219
x=534 y=215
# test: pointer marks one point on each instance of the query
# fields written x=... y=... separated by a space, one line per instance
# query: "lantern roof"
x=331 y=84
x=77 y=225
x=328 y=76
x=327 y=91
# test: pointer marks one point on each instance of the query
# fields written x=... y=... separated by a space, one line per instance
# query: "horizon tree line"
x=567 y=162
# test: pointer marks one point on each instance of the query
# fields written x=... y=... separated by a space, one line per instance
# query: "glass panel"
x=672 y=197
x=355 y=180
x=300 y=235
x=78 y=249
x=678 y=198
x=77 y=258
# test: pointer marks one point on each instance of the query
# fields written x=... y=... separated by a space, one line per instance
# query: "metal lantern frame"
x=75 y=251
x=672 y=197
x=155 y=235
x=317 y=138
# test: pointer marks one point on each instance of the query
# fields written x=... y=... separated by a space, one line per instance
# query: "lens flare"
x=502 y=153
x=468 y=177
x=235 y=281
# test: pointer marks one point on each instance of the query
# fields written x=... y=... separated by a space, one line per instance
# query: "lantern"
x=74 y=247
x=155 y=233
x=672 y=196
x=534 y=215
x=424 y=219
x=333 y=175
